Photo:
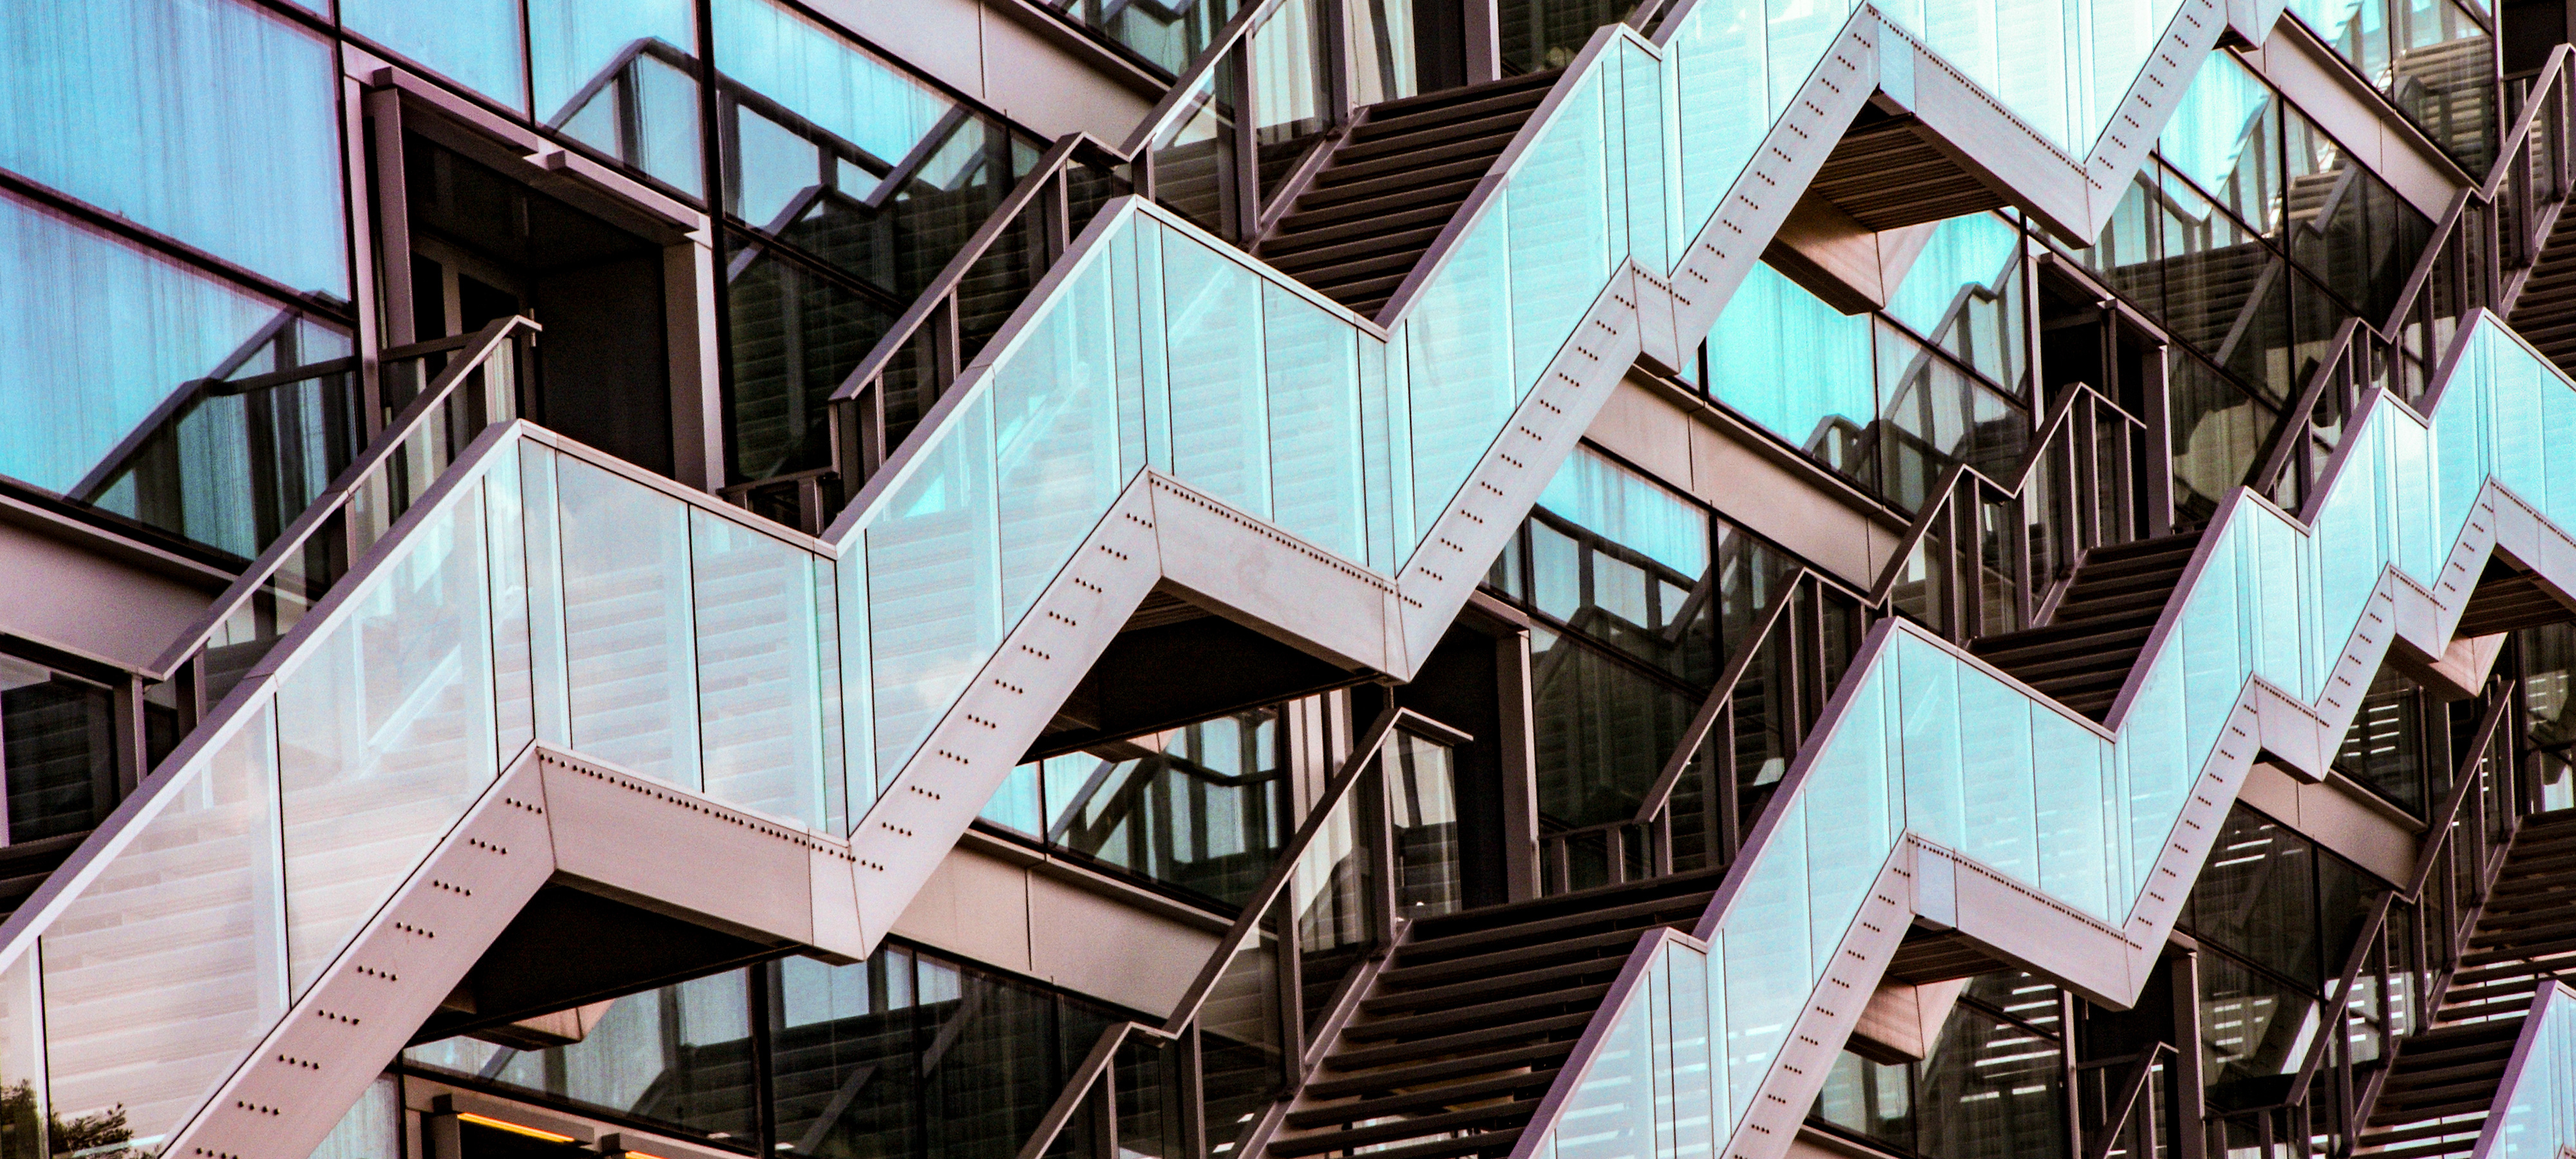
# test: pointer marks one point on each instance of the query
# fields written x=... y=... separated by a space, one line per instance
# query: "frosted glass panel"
x=627 y=623
x=168 y=966
x=759 y=674
x=385 y=732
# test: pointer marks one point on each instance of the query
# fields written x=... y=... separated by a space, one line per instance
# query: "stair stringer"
x=1930 y=881
x=552 y=818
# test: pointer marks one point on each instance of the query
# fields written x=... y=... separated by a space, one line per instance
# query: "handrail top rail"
x=333 y=498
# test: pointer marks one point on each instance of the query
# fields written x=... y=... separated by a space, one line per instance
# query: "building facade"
x=1517 y=579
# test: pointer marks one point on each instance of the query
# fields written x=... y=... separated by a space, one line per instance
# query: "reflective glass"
x=1055 y=420
x=477 y=43
x=618 y=76
x=1314 y=422
x=759 y=669
x=831 y=84
x=215 y=123
x=1800 y=368
x=57 y=748
x=385 y=732
x=1460 y=376
x=934 y=584
x=628 y=635
x=186 y=914
x=1559 y=237
x=1220 y=419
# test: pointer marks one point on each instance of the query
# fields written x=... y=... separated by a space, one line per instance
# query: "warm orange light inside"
x=513 y=1128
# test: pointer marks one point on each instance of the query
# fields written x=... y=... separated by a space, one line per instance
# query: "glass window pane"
x=473 y=42
x=215 y=123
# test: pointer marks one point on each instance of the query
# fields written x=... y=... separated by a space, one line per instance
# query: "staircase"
x=2545 y=313
x=2083 y=654
x=1469 y=1023
x=1393 y=185
x=2434 y=1102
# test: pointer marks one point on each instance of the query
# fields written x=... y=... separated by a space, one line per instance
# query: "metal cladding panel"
x=366 y=1004
x=676 y=852
x=1270 y=580
x=921 y=813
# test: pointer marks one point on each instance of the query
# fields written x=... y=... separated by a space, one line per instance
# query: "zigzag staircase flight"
x=452 y=727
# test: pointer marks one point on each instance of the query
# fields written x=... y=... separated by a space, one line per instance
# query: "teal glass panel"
x=2514 y=447
x=1997 y=775
x=628 y=632
x=934 y=583
x=1459 y=361
x=1768 y=975
x=1313 y=363
x=1559 y=238
x=94 y=335
x=1848 y=823
x=549 y=676
x=2074 y=858
x=2558 y=454
x=1377 y=483
x=2031 y=69
x=214 y=123
x=824 y=79
x=1630 y=510
x=858 y=704
x=513 y=686
x=1929 y=687
x=169 y=965
x=1127 y=352
x=827 y=639
x=578 y=44
x=1055 y=426
x=1401 y=504
x=1651 y=177
x=1713 y=968
x=476 y=43
x=759 y=670
x=1720 y=74
x=2213 y=656
x=1154 y=352
x=1220 y=421
x=1795 y=33
x=1785 y=359
x=1611 y=1113
x=2161 y=763
x=385 y=732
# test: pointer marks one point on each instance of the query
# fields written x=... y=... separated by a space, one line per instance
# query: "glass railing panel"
x=629 y=636
x=1559 y=239
x=386 y=731
x=759 y=678
x=1220 y=418
x=1242 y=1061
x=238 y=462
x=1313 y=366
x=2539 y=1120
x=1193 y=173
x=1612 y=1110
x=933 y=583
x=188 y=915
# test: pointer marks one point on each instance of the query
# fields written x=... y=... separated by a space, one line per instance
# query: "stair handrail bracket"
x=2009 y=803
x=2533 y=1115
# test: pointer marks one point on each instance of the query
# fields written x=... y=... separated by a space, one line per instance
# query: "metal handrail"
x=2059 y=423
x=2514 y=150
x=1247 y=926
x=334 y=498
x=2466 y=782
x=2133 y=1086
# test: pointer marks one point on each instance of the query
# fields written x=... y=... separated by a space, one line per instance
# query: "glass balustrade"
x=1931 y=744
x=485 y=622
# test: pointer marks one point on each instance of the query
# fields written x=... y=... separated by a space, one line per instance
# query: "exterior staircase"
x=2082 y=656
x=2443 y=1081
x=2545 y=313
x=1383 y=197
x=1467 y=1026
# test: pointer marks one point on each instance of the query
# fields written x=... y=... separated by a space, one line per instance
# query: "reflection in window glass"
x=614 y=74
x=114 y=329
x=1992 y=1087
x=825 y=80
x=2384 y=749
x=676 y=1055
x=2257 y=897
x=2254 y=1033
x=212 y=122
x=1202 y=808
x=57 y=745
x=475 y=43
